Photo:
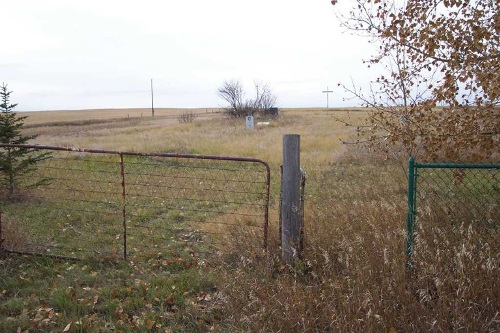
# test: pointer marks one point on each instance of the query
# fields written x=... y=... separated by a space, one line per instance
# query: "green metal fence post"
x=410 y=223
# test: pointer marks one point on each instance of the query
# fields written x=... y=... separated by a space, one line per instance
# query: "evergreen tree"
x=14 y=161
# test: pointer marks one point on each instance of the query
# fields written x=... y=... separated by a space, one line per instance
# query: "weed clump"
x=355 y=277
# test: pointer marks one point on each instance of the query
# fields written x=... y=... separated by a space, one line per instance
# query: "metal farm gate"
x=82 y=203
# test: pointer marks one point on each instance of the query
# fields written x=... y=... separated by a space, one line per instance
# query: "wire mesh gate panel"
x=95 y=203
x=455 y=196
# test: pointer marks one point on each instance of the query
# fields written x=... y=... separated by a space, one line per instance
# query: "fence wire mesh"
x=118 y=204
x=456 y=197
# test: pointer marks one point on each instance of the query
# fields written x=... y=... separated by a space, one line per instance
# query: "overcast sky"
x=64 y=54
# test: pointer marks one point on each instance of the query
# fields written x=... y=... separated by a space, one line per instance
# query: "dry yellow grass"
x=37 y=118
x=353 y=277
x=210 y=133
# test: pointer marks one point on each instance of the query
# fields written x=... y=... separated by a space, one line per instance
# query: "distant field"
x=210 y=133
x=79 y=116
x=47 y=117
x=354 y=275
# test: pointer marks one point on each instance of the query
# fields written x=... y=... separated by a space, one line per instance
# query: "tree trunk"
x=10 y=171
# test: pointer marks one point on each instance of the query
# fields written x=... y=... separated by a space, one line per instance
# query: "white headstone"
x=249 y=121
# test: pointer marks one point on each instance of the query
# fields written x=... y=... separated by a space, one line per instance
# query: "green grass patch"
x=96 y=296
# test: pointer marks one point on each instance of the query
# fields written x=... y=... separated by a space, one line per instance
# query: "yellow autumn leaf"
x=150 y=323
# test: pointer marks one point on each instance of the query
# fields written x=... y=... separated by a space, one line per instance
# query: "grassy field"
x=353 y=277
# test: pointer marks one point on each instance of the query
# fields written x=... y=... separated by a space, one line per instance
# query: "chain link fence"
x=95 y=203
x=453 y=196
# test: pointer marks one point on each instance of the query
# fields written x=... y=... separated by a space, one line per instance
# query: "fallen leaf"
x=150 y=323
x=67 y=328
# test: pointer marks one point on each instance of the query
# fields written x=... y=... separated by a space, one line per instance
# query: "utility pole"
x=327 y=95
x=152 y=100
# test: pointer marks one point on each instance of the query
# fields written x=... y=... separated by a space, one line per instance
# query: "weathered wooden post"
x=291 y=216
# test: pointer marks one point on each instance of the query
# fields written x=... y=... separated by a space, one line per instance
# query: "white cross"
x=327 y=94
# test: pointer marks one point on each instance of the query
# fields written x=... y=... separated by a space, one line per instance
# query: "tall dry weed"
x=355 y=278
